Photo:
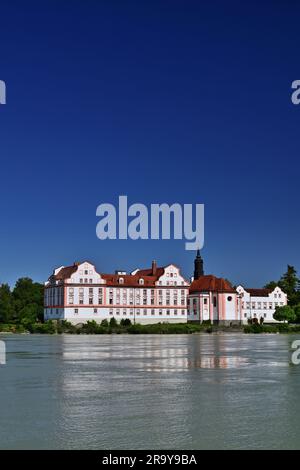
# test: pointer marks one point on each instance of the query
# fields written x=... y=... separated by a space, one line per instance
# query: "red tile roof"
x=148 y=272
x=66 y=272
x=258 y=292
x=211 y=283
x=128 y=280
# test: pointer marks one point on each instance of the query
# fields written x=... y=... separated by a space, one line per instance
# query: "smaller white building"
x=260 y=303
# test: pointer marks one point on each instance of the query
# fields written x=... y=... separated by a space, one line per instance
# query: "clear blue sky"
x=165 y=101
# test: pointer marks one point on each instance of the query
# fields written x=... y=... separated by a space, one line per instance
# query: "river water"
x=229 y=391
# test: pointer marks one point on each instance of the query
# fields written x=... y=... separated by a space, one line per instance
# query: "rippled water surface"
x=228 y=391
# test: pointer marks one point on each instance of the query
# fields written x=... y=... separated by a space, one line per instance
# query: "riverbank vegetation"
x=113 y=327
x=21 y=311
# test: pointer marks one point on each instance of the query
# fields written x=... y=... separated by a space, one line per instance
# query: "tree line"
x=23 y=304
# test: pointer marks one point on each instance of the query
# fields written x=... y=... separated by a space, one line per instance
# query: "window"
x=86 y=272
x=152 y=312
x=229 y=298
x=215 y=301
x=100 y=296
x=124 y=312
x=141 y=281
x=81 y=281
x=121 y=280
x=175 y=312
x=145 y=312
x=160 y=312
x=75 y=310
x=95 y=310
x=91 y=281
x=85 y=280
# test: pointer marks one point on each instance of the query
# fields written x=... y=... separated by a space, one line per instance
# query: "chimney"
x=154 y=267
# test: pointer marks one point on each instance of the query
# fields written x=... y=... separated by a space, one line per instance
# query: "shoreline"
x=105 y=328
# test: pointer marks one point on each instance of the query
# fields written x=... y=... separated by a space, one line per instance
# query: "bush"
x=42 y=328
x=113 y=322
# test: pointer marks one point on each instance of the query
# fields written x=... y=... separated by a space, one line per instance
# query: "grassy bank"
x=112 y=327
x=278 y=328
x=126 y=327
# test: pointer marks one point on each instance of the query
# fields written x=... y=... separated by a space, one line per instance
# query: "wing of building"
x=79 y=293
x=261 y=303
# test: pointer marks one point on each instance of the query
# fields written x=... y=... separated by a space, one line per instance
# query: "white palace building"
x=79 y=293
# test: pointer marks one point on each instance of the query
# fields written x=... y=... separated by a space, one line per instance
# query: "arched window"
x=141 y=281
x=121 y=280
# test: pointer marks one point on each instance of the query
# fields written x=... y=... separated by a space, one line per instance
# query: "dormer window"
x=121 y=280
x=141 y=281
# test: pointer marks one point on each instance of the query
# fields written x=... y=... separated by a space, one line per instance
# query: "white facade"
x=79 y=293
x=260 y=303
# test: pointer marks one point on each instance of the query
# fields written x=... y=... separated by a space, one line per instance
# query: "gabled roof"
x=148 y=272
x=128 y=280
x=258 y=292
x=66 y=272
x=210 y=283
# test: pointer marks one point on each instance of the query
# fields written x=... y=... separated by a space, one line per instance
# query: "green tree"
x=125 y=322
x=297 y=312
x=285 y=313
x=6 y=306
x=29 y=314
x=271 y=285
x=289 y=283
x=28 y=294
x=113 y=322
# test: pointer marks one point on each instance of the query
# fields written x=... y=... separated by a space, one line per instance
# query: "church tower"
x=198 y=271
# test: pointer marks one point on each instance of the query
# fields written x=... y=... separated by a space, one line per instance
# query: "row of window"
x=261 y=305
x=249 y=316
x=138 y=312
